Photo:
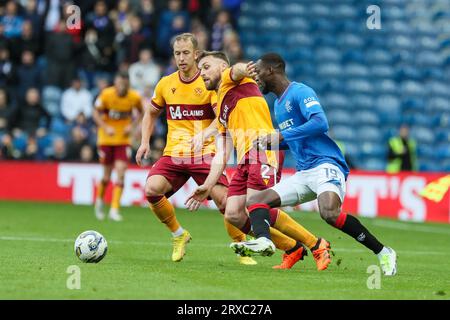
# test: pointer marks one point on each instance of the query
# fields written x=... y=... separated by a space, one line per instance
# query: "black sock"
x=260 y=220
x=356 y=230
x=295 y=248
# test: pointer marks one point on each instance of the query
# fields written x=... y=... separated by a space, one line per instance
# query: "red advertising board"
x=370 y=194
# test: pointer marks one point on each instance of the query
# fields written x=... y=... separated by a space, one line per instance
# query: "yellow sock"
x=101 y=189
x=282 y=241
x=165 y=212
x=234 y=233
x=117 y=194
x=293 y=229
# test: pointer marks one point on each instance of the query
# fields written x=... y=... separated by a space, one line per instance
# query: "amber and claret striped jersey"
x=244 y=113
x=116 y=111
x=189 y=110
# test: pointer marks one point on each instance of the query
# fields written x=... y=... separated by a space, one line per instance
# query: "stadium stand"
x=369 y=81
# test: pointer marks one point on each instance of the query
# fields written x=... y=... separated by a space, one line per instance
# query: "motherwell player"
x=244 y=114
x=113 y=115
x=189 y=110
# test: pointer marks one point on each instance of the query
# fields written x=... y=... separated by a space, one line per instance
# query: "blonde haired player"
x=113 y=115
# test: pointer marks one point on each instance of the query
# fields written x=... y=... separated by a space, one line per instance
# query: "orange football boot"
x=290 y=259
x=321 y=253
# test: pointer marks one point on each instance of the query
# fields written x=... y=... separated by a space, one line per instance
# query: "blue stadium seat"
x=422 y=134
x=59 y=127
x=345 y=133
x=51 y=99
x=373 y=150
x=366 y=117
x=368 y=133
x=339 y=117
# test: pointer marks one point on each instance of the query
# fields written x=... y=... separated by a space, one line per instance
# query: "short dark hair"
x=275 y=61
x=216 y=54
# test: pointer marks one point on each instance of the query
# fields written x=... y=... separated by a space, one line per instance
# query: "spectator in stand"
x=220 y=27
x=26 y=42
x=213 y=12
x=402 y=152
x=201 y=34
x=173 y=20
x=32 y=16
x=95 y=60
x=6 y=111
x=134 y=41
x=60 y=53
x=59 y=150
x=28 y=74
x=147 y=14
x=232 y=47
x=104 y=26
x=11 y=20
x=52 y=14
x=121 y=17
x=145 y=72
x=77 y=141
x=87 y=154
x=28 y=116
x=171 y=68
x=76 y=100
x=8 y=71
x=100 y=84
x=4 y=41
x=234 y=7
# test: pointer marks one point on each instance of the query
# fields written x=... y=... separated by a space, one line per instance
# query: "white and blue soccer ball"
x=91 y=246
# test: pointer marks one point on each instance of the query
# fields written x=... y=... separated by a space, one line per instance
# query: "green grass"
x=36 y=248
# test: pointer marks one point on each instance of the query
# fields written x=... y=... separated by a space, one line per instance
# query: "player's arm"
x=241 y=70
x=311 y=110
x=148 y=124
x=151 y=114
x=199 y=139
x=98 y=107
x=224 y=148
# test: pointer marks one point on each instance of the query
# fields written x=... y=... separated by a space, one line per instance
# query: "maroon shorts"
x=178 y=171
x=109 y=154
x=256 y=174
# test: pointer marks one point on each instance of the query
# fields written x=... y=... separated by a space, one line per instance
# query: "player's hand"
x=143 y=151
x=268 y=142
x=194 y=201
x=251 y=70
x=110 y=131
x=197 y=142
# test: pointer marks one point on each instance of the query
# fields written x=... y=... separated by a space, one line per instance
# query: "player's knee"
x=255 y=199
x=233 y=216
x=329 y=213
x=151 y=191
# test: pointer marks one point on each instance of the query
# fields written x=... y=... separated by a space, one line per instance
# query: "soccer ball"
x=91 y=246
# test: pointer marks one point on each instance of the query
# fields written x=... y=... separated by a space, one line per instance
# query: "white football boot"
x=115 y=215
x=261 y=246
x=388 y=261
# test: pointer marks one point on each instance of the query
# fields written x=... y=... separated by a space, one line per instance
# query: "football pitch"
x=36 y=250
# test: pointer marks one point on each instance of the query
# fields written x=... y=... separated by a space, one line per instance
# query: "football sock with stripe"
x=234 y=233
x=351 y=226
x=260 y=220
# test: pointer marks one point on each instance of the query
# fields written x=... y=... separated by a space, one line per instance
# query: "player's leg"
x=330 y=198
x=291 y=192
x=120 y=166
x=106 y=159
x=165 y=178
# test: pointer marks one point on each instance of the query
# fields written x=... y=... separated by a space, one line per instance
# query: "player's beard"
x=212 y=83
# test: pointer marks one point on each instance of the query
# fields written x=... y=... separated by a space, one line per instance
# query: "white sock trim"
x=178 y=232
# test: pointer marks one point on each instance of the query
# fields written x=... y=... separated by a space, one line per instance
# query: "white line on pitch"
x=409 y=227
x=199 y=244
